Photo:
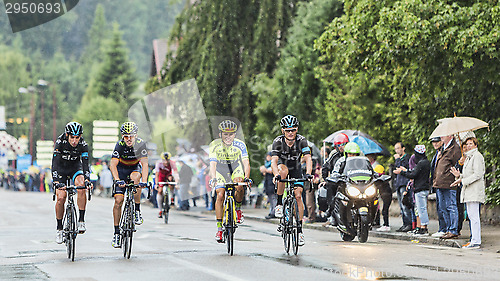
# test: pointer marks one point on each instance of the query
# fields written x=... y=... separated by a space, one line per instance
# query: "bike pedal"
x=279 y=228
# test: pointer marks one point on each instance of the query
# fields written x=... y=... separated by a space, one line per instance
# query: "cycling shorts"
x=296 y=174
x=69 y=172
x=124 y=174
x=223 y=174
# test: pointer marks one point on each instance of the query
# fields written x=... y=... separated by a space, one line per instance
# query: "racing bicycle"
x=165 y=209
x=70 y=229
x=289 y=223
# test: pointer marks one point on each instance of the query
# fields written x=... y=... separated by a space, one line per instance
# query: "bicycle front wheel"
x=166 y=207
x=127 y=231
x=286 y=222
x=70 y=232
x=295 y=226
x=230 y=225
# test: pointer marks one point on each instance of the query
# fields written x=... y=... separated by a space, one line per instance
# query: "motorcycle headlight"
x=353 y=191
x=370 y=191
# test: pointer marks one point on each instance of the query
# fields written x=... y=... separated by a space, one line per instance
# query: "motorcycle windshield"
x=358 y=168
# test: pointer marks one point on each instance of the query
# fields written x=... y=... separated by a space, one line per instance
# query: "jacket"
x=473 y=189
x=401 y=180
x=420 y=174
x=443 y=178
x=330 y=163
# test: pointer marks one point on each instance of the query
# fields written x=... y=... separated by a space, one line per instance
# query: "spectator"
x=185 y=175
x=402 y=160
x=443 y=179
x=460 y=206
x=310 y=195
x=473 y=190
x=268 y=185
x=106 y=179
x=420 y=176
x=438 y=145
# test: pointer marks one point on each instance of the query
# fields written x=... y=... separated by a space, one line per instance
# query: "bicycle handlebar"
x=237 y=183
x=167 y=182
x=293 y=180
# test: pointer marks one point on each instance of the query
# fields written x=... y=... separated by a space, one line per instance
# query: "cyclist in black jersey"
x=129 y=162
x=286 y=153
x=70 y=161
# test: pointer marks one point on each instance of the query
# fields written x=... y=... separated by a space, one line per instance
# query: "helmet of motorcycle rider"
x=340 y=139
x=352 y=148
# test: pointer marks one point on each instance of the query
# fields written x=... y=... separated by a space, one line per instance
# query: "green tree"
x=295 y=87
x=415 y=62
x=115 y=78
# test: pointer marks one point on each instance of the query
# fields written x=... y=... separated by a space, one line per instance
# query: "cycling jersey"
x=229 y=159
x=164 y=171
x=69 y=161
x=290 y=156
x=129 y=157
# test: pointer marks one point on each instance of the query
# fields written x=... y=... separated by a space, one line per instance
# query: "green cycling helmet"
x=352 y=148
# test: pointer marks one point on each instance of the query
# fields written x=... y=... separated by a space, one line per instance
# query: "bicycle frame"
x=70 y=230
x=229 y=216
x=289 y=223
x=166 y=201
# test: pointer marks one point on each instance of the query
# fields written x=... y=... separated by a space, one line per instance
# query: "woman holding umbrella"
x=473 y=190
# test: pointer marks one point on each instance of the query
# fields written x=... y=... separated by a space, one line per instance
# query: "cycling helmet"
x=228 y=126
x=73 y=128
x=165 y=155
x=129 y=128
x=289 y=121
x=340 y=139
x=352 y=148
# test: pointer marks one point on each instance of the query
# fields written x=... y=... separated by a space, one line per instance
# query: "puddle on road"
x=348 y=270
x=22 y=271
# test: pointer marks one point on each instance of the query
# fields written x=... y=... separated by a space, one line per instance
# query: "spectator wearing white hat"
x=420 y=176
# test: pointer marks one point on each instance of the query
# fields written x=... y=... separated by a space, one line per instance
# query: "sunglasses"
x=339 y=145
x=290 y=130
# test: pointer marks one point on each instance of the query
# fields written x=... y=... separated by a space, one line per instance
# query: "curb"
x=397 y=236
x=390 y=235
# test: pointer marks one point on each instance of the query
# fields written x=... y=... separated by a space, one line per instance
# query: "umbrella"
x=366 y=145
x=369 y=142
x=455 y=125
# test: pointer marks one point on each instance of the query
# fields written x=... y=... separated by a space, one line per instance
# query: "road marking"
x=215 y=273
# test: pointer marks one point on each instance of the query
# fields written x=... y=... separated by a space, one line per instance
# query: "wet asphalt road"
x=186 y=250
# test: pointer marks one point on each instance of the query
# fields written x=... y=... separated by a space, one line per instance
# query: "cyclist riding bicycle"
x=286 y=153
x=228 y=163
x=129 y=162
x=70 y=160
x=163 y=170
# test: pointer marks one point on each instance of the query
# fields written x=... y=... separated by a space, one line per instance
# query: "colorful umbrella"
x=367 y=144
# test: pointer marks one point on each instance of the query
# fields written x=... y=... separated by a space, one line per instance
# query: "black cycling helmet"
x=129 y=128
x=289 y=121
x=74 y=129
x=228 y=126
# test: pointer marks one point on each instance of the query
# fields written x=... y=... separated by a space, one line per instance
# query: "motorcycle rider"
x=339 y=143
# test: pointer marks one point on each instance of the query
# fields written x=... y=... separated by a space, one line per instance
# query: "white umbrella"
x=455 y=125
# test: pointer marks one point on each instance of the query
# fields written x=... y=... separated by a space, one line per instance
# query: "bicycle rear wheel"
x=286 y=221
x=295 y=226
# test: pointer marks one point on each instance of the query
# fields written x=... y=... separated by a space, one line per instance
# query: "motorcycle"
x=356 y=200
